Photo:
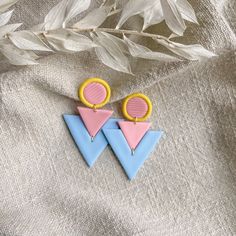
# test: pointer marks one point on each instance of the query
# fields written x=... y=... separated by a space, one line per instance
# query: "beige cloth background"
x=187 y=187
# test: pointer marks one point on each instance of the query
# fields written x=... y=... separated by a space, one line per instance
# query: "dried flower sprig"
x=56 y=33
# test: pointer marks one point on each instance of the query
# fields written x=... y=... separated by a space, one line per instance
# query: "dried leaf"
x=5 y=29
x=118 y=41
x=191 y=52
x=111 y=54
x=134 y=7
x=74 y=8
x=137 y=50
x=173 y=17
x=5 y=17
x=68 y=41
x=15 y=55
x=5 y=4
x=186 y=10
x=56 y=16
x=153 y=16
x=109 y=60
x=94 y=18
x=63 y=12
x=27 y=40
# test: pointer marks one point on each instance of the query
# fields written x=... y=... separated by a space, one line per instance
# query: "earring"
x=132 y=141
x=85 y=128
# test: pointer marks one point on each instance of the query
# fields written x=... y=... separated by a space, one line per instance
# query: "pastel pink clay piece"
x=134 y=132
x=94 y=120
x=137 y=107
x=95 y=93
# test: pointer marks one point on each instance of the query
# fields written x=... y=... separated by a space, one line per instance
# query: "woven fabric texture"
x=188 y=185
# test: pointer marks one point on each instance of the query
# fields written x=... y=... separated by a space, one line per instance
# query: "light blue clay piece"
x=131 y=163
x=89 y=149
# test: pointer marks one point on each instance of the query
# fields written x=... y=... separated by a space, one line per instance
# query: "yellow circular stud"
x=137 y=119
x=94 y=80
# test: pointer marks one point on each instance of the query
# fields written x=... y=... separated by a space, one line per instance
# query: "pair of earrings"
x=93 y=129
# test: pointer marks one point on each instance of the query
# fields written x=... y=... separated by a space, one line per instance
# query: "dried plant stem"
x=122 y=31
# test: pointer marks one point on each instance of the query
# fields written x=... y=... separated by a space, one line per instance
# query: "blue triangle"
x=89 y=150
x=131 y=163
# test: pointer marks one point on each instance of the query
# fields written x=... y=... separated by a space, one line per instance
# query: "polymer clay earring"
x=85 y=128
x=132 y=141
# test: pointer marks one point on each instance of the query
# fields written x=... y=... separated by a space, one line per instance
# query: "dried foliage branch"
x=58 y=35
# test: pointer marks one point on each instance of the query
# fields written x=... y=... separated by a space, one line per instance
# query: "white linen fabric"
x=186 y=187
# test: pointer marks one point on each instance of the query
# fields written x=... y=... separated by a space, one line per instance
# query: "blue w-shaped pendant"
x=90 y=150
x=131 y=162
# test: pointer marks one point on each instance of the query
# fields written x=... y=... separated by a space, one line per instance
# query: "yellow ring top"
x=136 y=119
x=94 y=80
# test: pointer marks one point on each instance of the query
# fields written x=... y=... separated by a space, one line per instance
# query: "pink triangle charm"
x=134 y=132
x=94 y=120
